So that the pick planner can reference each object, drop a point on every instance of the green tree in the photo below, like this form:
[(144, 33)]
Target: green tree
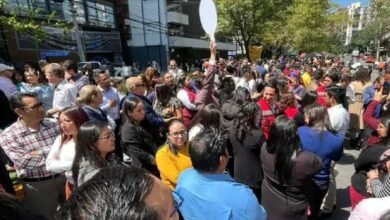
[(246, 20), (28, 20), (306, 20)]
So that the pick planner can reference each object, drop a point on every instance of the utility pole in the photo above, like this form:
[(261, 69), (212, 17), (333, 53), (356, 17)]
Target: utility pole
[(76, 31)]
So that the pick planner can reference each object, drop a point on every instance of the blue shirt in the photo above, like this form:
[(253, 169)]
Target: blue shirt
[(216, 196), (325, 145)]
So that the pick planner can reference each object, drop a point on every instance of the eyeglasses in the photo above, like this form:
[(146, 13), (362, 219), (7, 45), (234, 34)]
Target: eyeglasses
[(176, 134), (139, 85), (110, 136), (34, 107), (177, 201)]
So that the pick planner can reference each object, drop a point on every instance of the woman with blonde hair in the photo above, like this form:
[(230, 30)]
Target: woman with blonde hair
[(90, 98)]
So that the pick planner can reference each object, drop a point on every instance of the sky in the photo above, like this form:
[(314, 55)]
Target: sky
[(346, 3)]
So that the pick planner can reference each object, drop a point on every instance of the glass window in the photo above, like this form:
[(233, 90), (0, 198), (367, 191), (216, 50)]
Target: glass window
[(100, 15), (41, 5), (57, 8)]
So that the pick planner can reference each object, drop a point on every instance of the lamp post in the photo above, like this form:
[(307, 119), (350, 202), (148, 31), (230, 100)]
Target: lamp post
[(76, 31)]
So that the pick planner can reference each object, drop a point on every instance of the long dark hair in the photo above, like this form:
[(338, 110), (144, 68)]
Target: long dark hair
[(385, 120), (163, 94), (129, 104), (241, 95), (77, 115), (226, 89), (245, 121), (208, 116), (318, 118), (308, 98), (86, 148), (284, 143)]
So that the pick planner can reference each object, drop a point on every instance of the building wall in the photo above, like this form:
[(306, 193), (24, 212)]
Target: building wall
[(359, 16), (148, 24)]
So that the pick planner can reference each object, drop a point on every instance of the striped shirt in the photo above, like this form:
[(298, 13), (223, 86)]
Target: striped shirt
[(379, 189), (19, 141)]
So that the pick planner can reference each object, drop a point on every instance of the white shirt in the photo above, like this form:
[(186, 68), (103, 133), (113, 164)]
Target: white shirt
[(176, 73), (8, 87), (194, 131), (339, 118), (372, 208), (110, 94), (64, 95), (60, 158), (185, 99)]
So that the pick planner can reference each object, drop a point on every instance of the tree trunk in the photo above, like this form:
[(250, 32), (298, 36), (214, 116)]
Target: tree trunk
[(246, 45)]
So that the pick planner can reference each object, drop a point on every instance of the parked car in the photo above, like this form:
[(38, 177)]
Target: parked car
[(95, 66)]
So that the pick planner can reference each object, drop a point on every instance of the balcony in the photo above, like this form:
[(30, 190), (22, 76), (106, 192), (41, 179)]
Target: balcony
[(177, 18)]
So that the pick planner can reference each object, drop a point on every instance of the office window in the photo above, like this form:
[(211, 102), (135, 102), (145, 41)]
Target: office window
[(100, 15)]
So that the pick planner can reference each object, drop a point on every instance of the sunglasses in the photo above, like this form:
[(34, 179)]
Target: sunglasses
[(34, 107)]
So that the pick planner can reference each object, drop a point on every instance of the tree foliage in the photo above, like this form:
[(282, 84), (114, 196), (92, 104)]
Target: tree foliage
[(28, 20), (245, 20)]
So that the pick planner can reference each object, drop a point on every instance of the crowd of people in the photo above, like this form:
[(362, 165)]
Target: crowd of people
[(231, 140)]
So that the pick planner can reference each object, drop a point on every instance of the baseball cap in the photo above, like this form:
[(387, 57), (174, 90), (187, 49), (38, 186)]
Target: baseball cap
[(385, 155), (4, 67)]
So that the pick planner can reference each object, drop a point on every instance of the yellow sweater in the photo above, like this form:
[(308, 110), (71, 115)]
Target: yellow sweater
[(306, 78), (171, 165)]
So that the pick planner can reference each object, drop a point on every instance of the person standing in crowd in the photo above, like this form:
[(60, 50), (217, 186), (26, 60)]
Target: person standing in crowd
[(125, 193), (6, 84), (297, 89), (65, 93), (306, 76), (170, 81), (135, 139), (368, 160), (27, 143), (361, 82), (338, 115), (174, 70), (7, 116), (369, 92), (110, 104), (208, 188), (166, 104), (62, 153), (319, 137), (379, 179), (209, 116), (378, 127), (153, 122), (268, 107), (288, 105), (187, 97), (173, 157), (91, 98), (232, 107), (95, 141), (247, 140), (36, 82), (72, 75), (288, 170)]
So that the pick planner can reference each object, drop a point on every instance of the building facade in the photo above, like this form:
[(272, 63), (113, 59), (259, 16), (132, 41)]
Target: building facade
[(169, 29), (97, 29), (358, 16)]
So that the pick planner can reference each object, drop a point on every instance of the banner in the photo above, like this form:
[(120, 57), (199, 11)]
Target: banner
[(255, 52)]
